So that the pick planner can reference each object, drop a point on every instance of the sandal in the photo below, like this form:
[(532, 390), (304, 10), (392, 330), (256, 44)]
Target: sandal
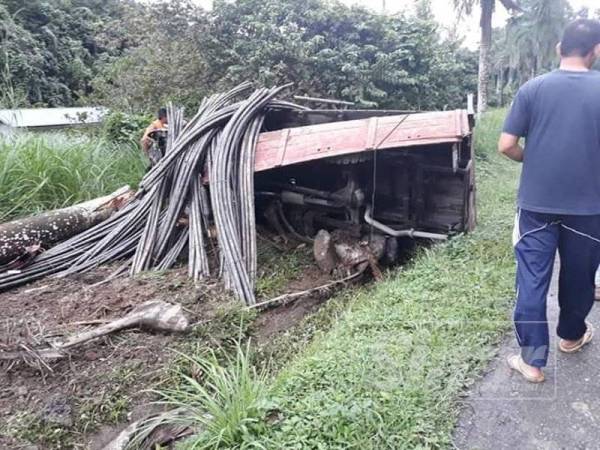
[(515, 362), (585, 339)]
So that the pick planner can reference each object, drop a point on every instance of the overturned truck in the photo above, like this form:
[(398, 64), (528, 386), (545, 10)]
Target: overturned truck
[(349, 182), (373, 175)]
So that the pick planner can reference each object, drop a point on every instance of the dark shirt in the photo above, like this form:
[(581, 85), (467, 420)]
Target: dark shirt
[(559, 115)]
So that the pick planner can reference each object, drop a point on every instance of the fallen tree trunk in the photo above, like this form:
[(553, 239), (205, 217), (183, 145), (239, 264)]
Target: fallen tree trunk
[(30, 235)]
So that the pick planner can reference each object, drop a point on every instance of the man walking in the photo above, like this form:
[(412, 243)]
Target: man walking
[(559, 197)]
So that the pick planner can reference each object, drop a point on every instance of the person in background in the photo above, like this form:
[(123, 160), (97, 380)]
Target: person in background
[(159, 124), (559, 198)]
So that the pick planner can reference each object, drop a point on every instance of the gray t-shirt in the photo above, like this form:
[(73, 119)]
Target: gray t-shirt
[(559, 115)]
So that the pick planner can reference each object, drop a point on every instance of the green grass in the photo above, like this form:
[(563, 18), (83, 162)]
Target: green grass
[(283, 348), (389, 371), (39, 172)]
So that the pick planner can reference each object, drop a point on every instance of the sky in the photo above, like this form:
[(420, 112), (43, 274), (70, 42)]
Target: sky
[(444, 12)]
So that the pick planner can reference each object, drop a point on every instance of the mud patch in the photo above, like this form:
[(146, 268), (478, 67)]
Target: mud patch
[(103, 385), (281, 318), (101, 380)]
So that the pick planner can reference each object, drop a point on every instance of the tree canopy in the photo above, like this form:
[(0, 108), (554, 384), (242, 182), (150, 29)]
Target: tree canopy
[(526, 46), (136, 55), (49, 49)]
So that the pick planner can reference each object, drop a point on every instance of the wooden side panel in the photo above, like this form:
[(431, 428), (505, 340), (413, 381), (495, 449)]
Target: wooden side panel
[(302, 144)]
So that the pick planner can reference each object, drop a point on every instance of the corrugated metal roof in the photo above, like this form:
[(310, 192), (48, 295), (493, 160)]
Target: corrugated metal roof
[(51, 117)]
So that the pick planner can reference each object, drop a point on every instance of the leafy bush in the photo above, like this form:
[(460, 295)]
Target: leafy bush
[(123, 127), (53, 48)]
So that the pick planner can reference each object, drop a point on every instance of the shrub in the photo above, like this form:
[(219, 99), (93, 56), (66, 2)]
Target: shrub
[(125, 128)]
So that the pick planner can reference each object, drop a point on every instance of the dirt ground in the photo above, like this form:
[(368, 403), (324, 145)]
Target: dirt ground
[(83, 401)]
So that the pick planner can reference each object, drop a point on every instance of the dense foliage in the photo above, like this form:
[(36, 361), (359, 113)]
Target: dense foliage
[(330, 50), (49, 50), (134, 56), (137, 55), (126, 128)]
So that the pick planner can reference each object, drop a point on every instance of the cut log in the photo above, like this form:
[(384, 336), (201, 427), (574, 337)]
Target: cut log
[(23, 238)]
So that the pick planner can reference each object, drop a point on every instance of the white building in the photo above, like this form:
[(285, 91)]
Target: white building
[(39, 119)]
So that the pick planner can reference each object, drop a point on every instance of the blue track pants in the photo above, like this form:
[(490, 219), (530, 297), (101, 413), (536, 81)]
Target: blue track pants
[(536, 239)]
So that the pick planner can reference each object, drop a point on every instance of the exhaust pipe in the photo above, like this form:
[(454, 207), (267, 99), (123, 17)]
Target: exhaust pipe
[(411, 233)]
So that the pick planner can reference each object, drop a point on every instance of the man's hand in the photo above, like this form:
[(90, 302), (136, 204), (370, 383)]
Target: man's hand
[(146, 143), (509, 147)]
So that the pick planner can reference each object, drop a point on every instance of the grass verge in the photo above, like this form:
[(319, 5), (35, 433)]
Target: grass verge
[(42, 171)]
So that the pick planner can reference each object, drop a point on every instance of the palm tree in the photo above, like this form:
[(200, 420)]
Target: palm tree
[(532, 37), (501, 55), (526, 47), (487, 11)]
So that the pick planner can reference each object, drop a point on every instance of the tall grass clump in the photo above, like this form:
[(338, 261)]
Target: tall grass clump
[(487, 132), (39, 172), (226, 402)]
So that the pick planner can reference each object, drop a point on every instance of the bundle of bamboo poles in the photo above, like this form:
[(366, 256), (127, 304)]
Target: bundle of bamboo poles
[(148, 233)]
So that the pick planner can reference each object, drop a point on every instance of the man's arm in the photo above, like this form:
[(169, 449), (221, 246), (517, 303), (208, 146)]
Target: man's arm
[(516, 125), (146, 140), (509, 146)]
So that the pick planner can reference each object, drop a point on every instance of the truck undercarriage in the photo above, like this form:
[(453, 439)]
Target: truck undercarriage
[(391, 175)]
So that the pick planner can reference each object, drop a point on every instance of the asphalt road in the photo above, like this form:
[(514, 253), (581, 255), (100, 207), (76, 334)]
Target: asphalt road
[(502, 411)]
